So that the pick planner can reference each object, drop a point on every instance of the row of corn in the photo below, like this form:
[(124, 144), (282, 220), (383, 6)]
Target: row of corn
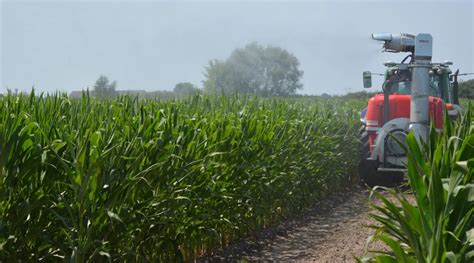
[(134, 180), (434, 220)]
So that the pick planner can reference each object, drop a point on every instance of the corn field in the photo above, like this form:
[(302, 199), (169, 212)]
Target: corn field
[(139, 180)]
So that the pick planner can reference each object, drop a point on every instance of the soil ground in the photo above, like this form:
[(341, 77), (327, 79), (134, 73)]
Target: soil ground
[(333, 230)]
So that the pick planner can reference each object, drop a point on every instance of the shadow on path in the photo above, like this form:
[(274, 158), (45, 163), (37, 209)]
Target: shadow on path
[(331, 231)]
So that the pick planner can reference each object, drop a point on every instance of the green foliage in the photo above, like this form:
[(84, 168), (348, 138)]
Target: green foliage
[(102, 88), (466, 89), (266, 71), (131, 180), (159, 95), (439, 225), (214, 74), (185, 89), (360, 95)]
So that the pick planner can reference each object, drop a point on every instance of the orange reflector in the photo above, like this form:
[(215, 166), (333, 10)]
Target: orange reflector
[(449, 106)]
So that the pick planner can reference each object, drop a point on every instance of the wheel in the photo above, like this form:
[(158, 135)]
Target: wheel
[(368, 173), (368, 169), (364, 143)]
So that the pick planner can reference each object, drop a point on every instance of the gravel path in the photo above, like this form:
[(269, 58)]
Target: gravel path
[(333, 230)]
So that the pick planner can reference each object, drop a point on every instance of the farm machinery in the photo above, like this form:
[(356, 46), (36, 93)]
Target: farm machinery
[(416, 94)]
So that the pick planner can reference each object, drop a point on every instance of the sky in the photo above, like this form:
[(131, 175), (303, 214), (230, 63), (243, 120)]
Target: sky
[(152, 45)]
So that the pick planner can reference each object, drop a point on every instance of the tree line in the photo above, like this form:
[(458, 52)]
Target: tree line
[(466, 89), (264, 71)]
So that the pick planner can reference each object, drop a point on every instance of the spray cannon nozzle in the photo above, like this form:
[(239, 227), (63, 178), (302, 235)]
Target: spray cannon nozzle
[(396, 42)]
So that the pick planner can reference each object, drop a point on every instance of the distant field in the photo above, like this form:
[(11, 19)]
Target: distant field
[(465, 102), (87, 179)]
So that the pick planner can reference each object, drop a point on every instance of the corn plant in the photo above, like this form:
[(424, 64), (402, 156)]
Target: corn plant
[(439, 225), (140, 180)]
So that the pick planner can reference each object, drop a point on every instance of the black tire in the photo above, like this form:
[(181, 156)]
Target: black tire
[(364, 142), (368, 173), (368, 170)]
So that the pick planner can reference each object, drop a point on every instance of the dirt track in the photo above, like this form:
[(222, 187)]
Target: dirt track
[(331, 231)]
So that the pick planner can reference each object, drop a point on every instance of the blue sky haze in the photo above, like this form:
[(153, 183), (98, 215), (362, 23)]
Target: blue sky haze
[(152, 45)]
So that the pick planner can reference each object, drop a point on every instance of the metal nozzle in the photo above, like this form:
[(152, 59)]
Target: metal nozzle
[(396, 42)]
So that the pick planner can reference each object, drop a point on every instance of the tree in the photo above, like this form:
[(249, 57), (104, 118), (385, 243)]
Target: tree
[(214, 73), (466, 89), (267, 71), (185, 89), (102, 88)]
